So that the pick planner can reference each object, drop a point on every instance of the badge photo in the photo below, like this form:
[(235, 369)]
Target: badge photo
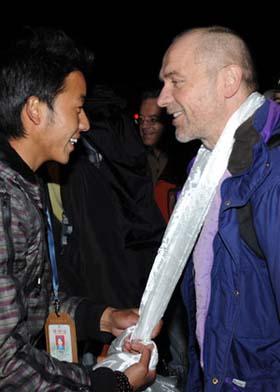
[(61, 337)]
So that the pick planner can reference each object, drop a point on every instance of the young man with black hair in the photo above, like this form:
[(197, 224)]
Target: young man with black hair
[(42, 92)]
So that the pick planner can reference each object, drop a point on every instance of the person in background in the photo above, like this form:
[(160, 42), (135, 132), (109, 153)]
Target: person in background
[(42, 93), (231, 293), (152, 124), (167, 159)]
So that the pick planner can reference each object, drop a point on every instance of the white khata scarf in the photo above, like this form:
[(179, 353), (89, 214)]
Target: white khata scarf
[(180, 236)]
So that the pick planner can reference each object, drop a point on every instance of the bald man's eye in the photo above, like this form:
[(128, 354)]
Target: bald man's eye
[(176, 83)]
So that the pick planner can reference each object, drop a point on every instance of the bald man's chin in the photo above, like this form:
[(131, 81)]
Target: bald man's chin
[(182, 137)]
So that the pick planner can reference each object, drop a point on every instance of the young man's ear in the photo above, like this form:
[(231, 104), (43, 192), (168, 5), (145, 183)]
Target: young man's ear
[(32, 110), (232, 79)]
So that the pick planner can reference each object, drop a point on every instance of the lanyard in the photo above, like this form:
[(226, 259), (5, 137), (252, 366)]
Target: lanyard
[(55, 282)]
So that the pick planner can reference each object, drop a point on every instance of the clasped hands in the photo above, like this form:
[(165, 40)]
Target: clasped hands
[(116, 321)]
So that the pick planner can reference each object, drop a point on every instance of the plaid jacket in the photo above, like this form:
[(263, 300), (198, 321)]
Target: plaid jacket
[(25, 289)]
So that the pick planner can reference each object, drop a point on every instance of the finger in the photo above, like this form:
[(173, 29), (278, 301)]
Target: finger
[(127, 347), (136, 348), (136, 341), (127, 340), (146, 356)]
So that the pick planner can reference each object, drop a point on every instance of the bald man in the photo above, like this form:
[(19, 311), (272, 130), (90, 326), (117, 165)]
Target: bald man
[(231, 288)]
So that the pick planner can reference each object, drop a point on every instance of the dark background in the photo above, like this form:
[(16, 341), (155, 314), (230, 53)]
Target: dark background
[(129, 40), (129, 43)]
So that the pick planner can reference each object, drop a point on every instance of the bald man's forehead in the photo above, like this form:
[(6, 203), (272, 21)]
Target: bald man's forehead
[(172, 62), (179, 50)]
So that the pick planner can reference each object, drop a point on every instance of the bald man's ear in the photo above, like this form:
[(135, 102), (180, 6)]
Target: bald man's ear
[(32, 110), (232, 76)]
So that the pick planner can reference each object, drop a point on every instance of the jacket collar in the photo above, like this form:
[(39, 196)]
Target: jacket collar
[(264, 124), (248, 163), (13, 159), (242, 152)]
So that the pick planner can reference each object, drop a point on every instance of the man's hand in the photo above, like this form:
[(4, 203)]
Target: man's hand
[(128, 343), (116, 321), (139, 374)]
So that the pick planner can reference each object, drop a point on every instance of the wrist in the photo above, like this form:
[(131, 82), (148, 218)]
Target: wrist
[(123, 384)]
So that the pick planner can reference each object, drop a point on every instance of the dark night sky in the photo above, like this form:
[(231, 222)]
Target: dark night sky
[(129, 41), (129, 49)]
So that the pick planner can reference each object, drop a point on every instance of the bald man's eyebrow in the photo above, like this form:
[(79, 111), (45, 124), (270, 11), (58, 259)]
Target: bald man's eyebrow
[(169, 75)]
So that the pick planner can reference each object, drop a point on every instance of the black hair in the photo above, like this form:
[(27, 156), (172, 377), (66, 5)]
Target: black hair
[(36, 64), (150, 93), (153, 93)]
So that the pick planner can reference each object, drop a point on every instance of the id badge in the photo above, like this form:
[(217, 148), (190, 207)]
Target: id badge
[(61, 338)]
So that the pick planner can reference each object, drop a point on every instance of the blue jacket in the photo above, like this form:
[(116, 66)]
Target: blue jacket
[(242, 331)]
